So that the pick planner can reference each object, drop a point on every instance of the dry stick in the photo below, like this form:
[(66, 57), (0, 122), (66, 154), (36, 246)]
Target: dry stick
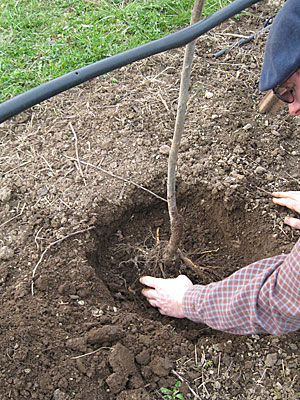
[(184, 381), (49, 247), (19, 166), (49, 166), (117, 177), (76, 150), (91, 352), (36, 237), (16, 216), (176, 219)]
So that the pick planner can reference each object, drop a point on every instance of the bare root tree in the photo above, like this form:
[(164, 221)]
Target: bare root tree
[(176, 220)]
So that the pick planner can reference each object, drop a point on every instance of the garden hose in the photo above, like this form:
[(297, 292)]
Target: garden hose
[(58, 85)]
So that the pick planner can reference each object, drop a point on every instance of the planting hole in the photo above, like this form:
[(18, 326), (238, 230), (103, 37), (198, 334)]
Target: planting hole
[(220, 236)]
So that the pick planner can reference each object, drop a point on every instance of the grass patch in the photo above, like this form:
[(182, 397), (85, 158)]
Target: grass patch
[(41, 40)]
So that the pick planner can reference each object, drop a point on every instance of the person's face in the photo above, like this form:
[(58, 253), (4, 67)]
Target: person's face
[(293, 83)]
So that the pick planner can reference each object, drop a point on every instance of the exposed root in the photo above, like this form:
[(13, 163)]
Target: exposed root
[(189, 263), (148, 258)]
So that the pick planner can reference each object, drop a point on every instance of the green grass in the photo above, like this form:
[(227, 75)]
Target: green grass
[(41, 39)]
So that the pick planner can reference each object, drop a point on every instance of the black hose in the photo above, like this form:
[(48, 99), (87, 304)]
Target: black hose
[(58, 85)]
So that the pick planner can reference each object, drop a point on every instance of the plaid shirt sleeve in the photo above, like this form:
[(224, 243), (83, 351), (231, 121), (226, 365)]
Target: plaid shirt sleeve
[(263, 297)]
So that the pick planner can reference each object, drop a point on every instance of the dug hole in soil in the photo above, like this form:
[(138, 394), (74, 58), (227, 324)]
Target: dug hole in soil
[(74, 213)]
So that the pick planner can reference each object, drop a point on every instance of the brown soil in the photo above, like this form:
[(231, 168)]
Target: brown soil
[(81, 329)]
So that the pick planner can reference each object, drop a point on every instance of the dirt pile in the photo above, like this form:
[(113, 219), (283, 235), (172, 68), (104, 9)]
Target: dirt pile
[(74, 215)]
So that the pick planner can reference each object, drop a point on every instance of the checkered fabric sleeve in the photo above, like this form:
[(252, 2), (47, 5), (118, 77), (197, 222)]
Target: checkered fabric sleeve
[(263, 297)]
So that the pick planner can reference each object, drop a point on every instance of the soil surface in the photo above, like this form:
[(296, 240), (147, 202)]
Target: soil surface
[(83, 183)]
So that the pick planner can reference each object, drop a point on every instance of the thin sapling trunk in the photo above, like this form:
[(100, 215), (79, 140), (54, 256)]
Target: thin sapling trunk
[(176, 220)]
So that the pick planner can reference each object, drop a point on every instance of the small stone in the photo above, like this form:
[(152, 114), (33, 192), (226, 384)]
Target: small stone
[(238, 150), (260, 170), (208, 95), (271, 360), (6, 253), (216, 347), (74, 297), (96, 312), (247, 126), (5, 194), (164, 149), (217, 385), (293, 346), (21, 295), (60, 395), (42, 191)]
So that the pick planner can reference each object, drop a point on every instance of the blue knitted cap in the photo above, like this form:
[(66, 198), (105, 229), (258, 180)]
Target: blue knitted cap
[(282, 53)]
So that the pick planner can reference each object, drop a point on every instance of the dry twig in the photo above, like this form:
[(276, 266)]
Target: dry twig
[(16, 216), (118, 177), (76, 151), (49, 247), (90, 353), (17, 167), (186, 383)]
